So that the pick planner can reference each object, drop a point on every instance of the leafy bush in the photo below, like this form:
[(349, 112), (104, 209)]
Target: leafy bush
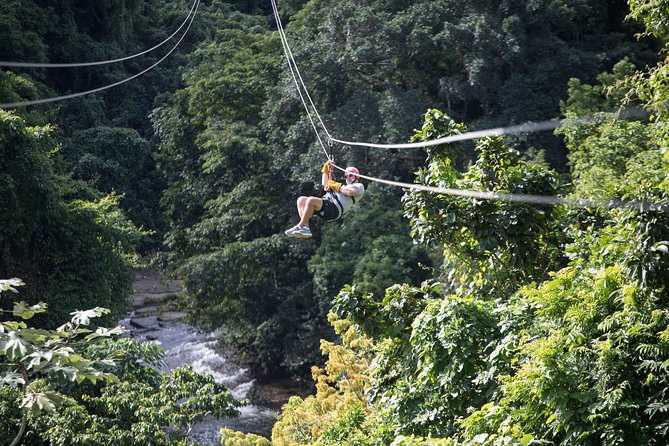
[(76, 386), (234, 438), (325, 417)]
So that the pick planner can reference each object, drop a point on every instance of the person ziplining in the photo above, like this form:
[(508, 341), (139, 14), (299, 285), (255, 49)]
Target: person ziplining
[(338, 199)]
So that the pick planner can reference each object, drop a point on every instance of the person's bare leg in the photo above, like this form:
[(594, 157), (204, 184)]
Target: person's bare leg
[(301, 203), (311, 205)]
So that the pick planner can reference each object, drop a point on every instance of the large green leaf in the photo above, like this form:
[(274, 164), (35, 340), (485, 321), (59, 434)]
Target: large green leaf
[(14, 347), (11, 326), (22, 310), (103, 332), (37, 403), (38, 359), (12, 379), (10, 285)]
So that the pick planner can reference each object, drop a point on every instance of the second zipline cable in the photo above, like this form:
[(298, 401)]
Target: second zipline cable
[(97, 90), (101, 62), (546, 200)]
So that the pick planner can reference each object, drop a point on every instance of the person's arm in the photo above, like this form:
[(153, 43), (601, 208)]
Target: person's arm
[(325, 174), (350, 191)]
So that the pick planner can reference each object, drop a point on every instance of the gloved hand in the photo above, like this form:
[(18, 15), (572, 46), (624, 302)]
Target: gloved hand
[(326, 167), (333, 185)]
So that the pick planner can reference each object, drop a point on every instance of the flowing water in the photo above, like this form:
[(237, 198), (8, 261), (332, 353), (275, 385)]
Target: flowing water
[(182, 346)]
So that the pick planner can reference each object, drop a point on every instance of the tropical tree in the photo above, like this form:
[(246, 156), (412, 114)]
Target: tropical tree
[(78, 252), (117, 160)]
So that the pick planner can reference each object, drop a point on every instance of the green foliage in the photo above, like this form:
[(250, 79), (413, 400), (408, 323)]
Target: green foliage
[(76, 386), (653, 15), (442, 340), (10, 410), (78, 253), (233, 438), (491, 245), (100, 241), (338, 411), (243, 287), (138, 413), (116, 160), (15, 87), (38, 31), (28, 354)]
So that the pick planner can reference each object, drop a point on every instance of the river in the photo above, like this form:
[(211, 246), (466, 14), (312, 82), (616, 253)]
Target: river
[(153, 320), (183, 345)]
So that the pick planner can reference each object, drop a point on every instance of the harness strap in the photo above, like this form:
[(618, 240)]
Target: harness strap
[(337, 203)]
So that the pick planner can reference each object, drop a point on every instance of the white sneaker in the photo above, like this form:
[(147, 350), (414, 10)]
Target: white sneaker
[(302, 232), (290, 232)]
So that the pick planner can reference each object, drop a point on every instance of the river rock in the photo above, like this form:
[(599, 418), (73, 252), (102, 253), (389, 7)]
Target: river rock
[(167, 316), (144, 322), (152, 295), (276, 393)]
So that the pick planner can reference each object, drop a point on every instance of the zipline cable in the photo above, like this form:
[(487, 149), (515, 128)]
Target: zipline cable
[(521, 128), (292, 65), (102, 62), (522, 198), (97, 90), (529, 127)]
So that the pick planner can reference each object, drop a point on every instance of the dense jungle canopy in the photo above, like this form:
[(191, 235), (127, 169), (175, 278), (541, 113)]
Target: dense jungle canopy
[(429, 319)]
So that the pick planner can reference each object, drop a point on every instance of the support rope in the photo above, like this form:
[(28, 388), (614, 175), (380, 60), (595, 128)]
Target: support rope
[(522, 198), (292, 65)]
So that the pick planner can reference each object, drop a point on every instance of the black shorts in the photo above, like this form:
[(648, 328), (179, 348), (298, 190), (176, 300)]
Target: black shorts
[(329, 211)]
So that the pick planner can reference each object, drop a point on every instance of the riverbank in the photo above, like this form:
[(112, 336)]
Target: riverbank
[(154, 297)]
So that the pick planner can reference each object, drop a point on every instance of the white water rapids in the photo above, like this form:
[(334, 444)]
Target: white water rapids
[(183, 346)]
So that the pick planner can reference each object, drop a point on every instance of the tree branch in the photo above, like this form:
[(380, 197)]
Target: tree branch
[(22, 430)]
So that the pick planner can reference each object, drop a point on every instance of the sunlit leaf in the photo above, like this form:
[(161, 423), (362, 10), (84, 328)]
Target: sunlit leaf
[(526, 439), (38, 403), (84, 317), (12, 379), (37, 358), (22, 310), (64, 373), (14, 347), (10, 285), (103, 332), (11, 326)]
